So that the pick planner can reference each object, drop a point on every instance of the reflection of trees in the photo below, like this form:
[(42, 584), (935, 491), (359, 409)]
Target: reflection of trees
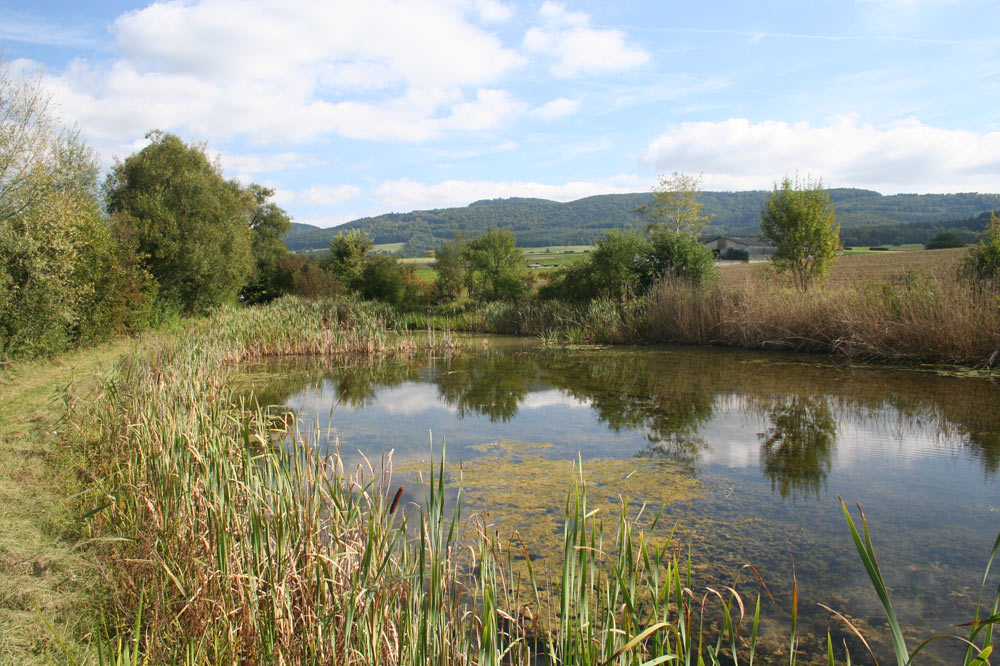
[(353, 381), (986, 447), (275, 386), (356, 385), (491, 384), (627, 391), (796, 451), (671, 395)]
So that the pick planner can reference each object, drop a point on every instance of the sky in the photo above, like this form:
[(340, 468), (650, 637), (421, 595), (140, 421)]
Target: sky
[(362, 107)]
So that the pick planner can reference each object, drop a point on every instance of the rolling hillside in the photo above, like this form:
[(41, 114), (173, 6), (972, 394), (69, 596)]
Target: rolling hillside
[(540, 222)]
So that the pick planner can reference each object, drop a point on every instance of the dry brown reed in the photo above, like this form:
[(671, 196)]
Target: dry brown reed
[(909, 316)]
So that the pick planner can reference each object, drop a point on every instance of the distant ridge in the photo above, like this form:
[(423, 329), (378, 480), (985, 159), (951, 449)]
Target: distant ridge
[(540, 222)]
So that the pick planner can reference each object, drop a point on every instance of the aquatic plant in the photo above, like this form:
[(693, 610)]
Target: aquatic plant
[(980, 627)]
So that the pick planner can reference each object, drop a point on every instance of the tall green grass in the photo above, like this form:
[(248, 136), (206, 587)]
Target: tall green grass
[(225, 537)]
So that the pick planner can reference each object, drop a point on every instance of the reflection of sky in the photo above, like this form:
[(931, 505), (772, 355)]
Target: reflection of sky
[(401, 417), (864, 442)]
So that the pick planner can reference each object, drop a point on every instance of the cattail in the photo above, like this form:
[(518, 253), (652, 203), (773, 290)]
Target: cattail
[(395, 500)]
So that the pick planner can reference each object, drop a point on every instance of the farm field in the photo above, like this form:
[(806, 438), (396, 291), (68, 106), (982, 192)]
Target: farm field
[(852, 268), (547, 257)]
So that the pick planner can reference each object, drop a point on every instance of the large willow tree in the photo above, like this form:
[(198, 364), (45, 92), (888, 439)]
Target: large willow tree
[(192, 226)]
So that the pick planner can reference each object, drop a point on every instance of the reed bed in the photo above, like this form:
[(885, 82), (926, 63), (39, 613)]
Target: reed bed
[(225, 538), (909, 317)]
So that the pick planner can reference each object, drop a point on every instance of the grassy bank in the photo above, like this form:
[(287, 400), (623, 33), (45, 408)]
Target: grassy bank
[(42, 574)]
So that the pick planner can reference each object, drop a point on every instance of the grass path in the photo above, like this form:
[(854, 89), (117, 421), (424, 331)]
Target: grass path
[(39, 568)]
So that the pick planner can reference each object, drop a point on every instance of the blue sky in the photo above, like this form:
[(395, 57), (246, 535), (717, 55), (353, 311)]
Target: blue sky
[(359, 108)]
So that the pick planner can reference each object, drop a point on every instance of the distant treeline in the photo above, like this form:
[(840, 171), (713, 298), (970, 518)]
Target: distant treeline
[(866, 218), (969, 229)]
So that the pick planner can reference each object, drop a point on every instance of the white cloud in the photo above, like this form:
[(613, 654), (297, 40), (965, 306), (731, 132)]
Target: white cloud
[(317, 195), (578, 48), (253, 163), (555, 14), (406, 194), (489, 109), (330, 195), (494, 10), (290, 71), (557, 108), (273, 38), (907, 156)]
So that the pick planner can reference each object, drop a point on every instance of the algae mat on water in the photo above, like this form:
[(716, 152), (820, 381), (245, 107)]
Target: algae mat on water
[(514, 488), (41, 573)]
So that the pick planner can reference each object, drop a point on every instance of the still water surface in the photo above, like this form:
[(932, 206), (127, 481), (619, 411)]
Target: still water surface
[(748, 450)]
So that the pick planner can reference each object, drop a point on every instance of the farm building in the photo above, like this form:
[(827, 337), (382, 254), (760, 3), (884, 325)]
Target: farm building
[(729, 247)]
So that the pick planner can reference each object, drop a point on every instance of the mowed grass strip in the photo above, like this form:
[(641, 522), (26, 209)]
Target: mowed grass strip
[(41, 574)]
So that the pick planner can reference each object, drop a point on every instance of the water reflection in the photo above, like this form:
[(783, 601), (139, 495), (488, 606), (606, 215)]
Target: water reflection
[(672, 399), (492, 384), (796, 451)]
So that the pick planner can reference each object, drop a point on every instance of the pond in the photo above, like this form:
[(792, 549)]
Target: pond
[(747, 451)]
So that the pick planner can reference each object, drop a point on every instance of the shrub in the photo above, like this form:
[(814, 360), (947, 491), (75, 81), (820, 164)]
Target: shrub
[(732, 254), (383, 279), (672, 255), (617, 269), (944, 239), (982, 264)]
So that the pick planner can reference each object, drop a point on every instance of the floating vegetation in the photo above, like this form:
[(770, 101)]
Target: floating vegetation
[(520, 493)]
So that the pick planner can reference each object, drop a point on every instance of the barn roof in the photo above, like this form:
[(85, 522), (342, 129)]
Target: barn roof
[(743, 240)]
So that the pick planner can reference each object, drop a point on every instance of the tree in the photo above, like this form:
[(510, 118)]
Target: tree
[(451, 266), (192, 226), (798, 219), (268, 225), (675, 205), (64, 275), (347, 256), (496, 266)]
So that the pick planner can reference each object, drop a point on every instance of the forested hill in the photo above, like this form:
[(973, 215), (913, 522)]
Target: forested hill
[(540, 222)]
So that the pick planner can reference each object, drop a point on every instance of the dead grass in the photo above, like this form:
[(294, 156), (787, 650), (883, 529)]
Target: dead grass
[(894, 306)]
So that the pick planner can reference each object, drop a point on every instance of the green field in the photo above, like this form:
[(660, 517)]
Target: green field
[(910, 247), (547, 258)]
